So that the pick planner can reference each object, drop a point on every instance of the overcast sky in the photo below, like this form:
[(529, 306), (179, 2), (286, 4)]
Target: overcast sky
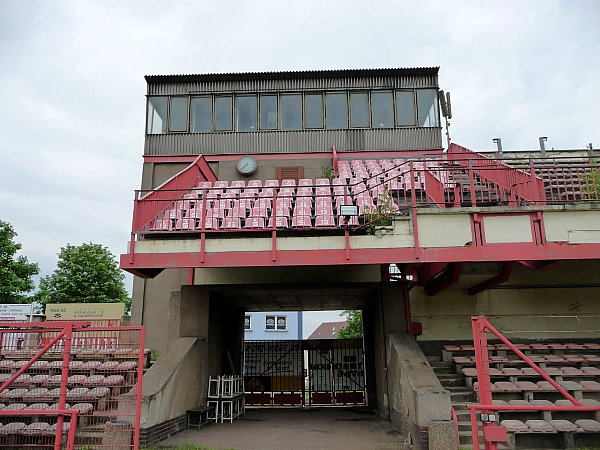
[(72, 87)]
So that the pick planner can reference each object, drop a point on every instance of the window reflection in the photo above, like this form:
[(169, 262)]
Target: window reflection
[(291, 112), (382, 109), (405, 108), (359, 110), (245, 113), (313, 105), (427, 108), (336, 110), (268, 112), (157, 115), (223, 115), (201, 115)]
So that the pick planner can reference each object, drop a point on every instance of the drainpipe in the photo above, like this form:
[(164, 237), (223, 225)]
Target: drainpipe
[(543, 146), (498, 142)]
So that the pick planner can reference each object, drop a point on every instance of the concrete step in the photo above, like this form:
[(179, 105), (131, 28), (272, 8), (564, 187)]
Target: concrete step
[(447, 375), (439, 364), (461, 396), (459, 388), (433, 358), (454, 383)]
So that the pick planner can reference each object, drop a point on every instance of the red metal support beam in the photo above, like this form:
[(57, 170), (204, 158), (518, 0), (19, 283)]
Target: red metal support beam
[(502, 277), (444, 281), (540, 265)]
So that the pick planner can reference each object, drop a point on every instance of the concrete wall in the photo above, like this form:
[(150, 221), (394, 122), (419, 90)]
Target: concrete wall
[(150, 304), (547, 311), (416, 396)]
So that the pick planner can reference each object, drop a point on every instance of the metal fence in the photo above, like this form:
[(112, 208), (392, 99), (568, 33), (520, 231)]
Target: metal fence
[(70, 385)]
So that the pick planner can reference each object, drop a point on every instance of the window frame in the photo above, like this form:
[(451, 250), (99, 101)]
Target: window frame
[(277, 108), (369, 118), (232, 115), (393, 94), (304, 111), (212, 107), (276, 317), (148, 97), (414, 110), (325, 124)]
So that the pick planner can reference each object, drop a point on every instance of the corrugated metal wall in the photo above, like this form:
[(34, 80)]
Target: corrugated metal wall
[(294, 85), (292, 141)]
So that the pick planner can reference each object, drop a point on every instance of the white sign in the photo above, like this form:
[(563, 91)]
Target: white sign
[(15, 312)]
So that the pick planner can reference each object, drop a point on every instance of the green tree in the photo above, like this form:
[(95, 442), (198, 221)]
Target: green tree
[(354, 329), (16, 273), (87, 273)]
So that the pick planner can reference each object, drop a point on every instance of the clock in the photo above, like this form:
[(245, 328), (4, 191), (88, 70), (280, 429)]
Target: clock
[(247, 166)]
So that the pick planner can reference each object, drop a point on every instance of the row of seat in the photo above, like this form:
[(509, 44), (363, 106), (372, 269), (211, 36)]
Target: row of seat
[(513, 372), (551, 346), (551, 426), (37, 394), (33, 429), (81, 353), (542, 386), (462, 361), (55, 380), (8, 365)]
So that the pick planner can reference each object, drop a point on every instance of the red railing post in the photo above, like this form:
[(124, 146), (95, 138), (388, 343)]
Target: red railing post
[(68, 336), (138, 393)]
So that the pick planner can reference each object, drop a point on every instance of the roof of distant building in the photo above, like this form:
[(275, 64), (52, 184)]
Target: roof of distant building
[(328, 330), (285, 75)]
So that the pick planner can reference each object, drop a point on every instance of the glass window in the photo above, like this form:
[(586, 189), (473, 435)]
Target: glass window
[(157, 115), (223, 115), (427, 109), (179, 110), (201, 115), (281, 323), (291, 112), (337, 110), (276, 323), (405, 108), (245, 113), (359, 110), (268, 112), (247, 323), (382, 109), (313, 110)]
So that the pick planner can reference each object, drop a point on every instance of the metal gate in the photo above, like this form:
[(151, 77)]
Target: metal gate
[(308, 372)]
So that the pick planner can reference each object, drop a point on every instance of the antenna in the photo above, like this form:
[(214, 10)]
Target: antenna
[(446, 111), (543, 146)]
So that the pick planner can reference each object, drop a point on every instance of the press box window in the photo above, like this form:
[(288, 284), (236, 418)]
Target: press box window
[(157, 115), (201, 114), (427, 108), (268, 112), (245, 113), (313, 110), (382, 109), (179, 114), (223, 113), (405, 108), (336, 104), (247, 323), (359, 110), (291, 112), (278, 323)]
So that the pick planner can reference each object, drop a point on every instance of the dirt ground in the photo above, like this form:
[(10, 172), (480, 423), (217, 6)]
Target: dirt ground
[(307, 428)]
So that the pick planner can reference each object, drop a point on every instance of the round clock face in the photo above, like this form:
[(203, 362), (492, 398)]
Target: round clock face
[(247, 165)]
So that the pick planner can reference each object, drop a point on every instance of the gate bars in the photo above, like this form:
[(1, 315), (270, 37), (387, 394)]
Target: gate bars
[(492, 434), (97, 369)]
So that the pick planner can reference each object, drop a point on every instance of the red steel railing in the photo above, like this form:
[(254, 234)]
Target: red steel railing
[(472, 181), (493, 433)]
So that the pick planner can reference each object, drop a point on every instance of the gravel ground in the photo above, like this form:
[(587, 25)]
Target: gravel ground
[(307, 428)]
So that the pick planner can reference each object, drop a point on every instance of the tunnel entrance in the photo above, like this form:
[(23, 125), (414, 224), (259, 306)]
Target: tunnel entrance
[(319, 372)]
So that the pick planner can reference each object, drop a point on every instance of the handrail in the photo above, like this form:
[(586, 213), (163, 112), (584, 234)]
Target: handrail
[(428, 184), (455, 419)]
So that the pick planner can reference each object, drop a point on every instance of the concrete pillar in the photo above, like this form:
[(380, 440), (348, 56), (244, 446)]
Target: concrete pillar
[(442, 435)]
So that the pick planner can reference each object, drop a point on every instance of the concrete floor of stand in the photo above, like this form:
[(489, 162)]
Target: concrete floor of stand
[(295, 428)]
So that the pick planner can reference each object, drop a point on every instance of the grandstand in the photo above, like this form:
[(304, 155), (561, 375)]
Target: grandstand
[(327, 190)]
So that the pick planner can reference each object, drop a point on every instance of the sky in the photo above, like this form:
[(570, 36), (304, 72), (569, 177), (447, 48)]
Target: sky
[(72, 88)]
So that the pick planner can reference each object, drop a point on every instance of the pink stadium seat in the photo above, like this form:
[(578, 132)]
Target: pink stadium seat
[(93, 380), (563, 425), (305, 182), (593, 386), (237, 212), (254, 222), (286, 192), (83, 408), (527, 386), (588, 425), (267, 192), (280, 222), (210, 223), (204, 185), (7, 364), (185, 224), (265, 202), (113, 380), (249, 193), (37, 407), (590, 370), (76, 379), (283, 203), (271, 183), (254, 184), (221, 184), (36, 393), (301, 222), (238, 184), (506, 386), (259, 211), (325, 221), (539, 426), (571, 371), (36, 428), (324, 210), (288, 183), (230, 223), (13, 428), (323, 191), (302, 211), (282, 211), (304, 191)]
